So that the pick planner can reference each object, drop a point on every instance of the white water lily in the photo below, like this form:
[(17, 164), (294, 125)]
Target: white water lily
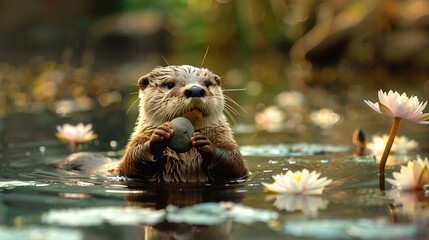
[(413, 176), (304, 182), (401, 144), (393, 104), (398, 153)]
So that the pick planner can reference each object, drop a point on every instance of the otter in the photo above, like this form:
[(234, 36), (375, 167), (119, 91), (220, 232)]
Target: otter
[(196, 94)]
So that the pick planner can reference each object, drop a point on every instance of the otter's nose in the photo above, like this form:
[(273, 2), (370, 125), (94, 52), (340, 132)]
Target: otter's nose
[(195, 91)]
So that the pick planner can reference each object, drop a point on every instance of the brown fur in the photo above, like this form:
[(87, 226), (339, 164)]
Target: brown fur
[(158, 105)]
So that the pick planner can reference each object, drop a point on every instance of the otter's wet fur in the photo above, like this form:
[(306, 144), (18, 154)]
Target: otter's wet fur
[(195, 93)]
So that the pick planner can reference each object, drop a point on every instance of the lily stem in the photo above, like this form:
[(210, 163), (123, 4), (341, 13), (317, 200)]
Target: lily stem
[(386, 152), (76, 148)]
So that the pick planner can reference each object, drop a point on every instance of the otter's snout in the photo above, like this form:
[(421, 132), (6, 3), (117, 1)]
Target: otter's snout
[(195, 91)]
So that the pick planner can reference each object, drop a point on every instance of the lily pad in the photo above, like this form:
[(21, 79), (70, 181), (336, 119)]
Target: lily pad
[(39, 233), (216, 213), (12, 184), (289, 150), (201, 214), (98, 215), (349, 229)]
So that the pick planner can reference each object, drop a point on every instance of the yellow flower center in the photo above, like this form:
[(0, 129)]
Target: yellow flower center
[(297, 177)]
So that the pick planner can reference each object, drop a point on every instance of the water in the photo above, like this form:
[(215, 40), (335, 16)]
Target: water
[(37, 202)]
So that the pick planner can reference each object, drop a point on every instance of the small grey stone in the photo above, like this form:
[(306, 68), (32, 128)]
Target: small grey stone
[(183, 130)]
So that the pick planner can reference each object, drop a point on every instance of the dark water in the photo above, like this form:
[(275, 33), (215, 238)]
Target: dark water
[(37, 202)]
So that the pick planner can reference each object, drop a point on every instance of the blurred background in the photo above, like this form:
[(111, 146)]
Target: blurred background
[(299, 63)]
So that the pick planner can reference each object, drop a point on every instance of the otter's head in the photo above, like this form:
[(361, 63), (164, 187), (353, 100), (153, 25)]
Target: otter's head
[(187, 91)]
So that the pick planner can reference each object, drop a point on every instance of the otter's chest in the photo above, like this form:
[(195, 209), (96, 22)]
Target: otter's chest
[(183, 167)]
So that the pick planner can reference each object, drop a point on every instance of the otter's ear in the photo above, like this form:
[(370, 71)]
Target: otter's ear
[(144, 81), (218, 80)]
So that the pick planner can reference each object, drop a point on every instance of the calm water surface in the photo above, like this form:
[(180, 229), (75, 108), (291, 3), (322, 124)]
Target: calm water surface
[(352, 206)]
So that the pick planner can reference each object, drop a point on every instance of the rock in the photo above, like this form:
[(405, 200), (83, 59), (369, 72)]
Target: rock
[(180, 141)]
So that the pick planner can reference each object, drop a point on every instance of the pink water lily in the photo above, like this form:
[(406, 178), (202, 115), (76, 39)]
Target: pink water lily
[(304, 182), (400, 106), (413, 176), (75, 134)]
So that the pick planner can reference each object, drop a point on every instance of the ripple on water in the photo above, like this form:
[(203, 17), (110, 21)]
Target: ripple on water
[(288, 150)]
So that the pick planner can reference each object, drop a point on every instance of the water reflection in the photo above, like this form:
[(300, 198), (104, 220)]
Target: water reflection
[(412, 204), (185, 231), (159, 197), (211, 220), (181, 195), (308, 205)]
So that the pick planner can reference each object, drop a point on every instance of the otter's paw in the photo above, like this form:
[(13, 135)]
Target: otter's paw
[(159, 137), (204, 146)]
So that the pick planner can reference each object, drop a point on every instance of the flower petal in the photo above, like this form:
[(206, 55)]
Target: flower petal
[(412, 176), (295, 187), (424, 117), (385, 110), (393, 182), (424, 177), (372, 105), (274, 188)]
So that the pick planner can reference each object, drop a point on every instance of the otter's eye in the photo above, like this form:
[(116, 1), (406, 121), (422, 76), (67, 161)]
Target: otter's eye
[(207, 84), (170, 85)]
